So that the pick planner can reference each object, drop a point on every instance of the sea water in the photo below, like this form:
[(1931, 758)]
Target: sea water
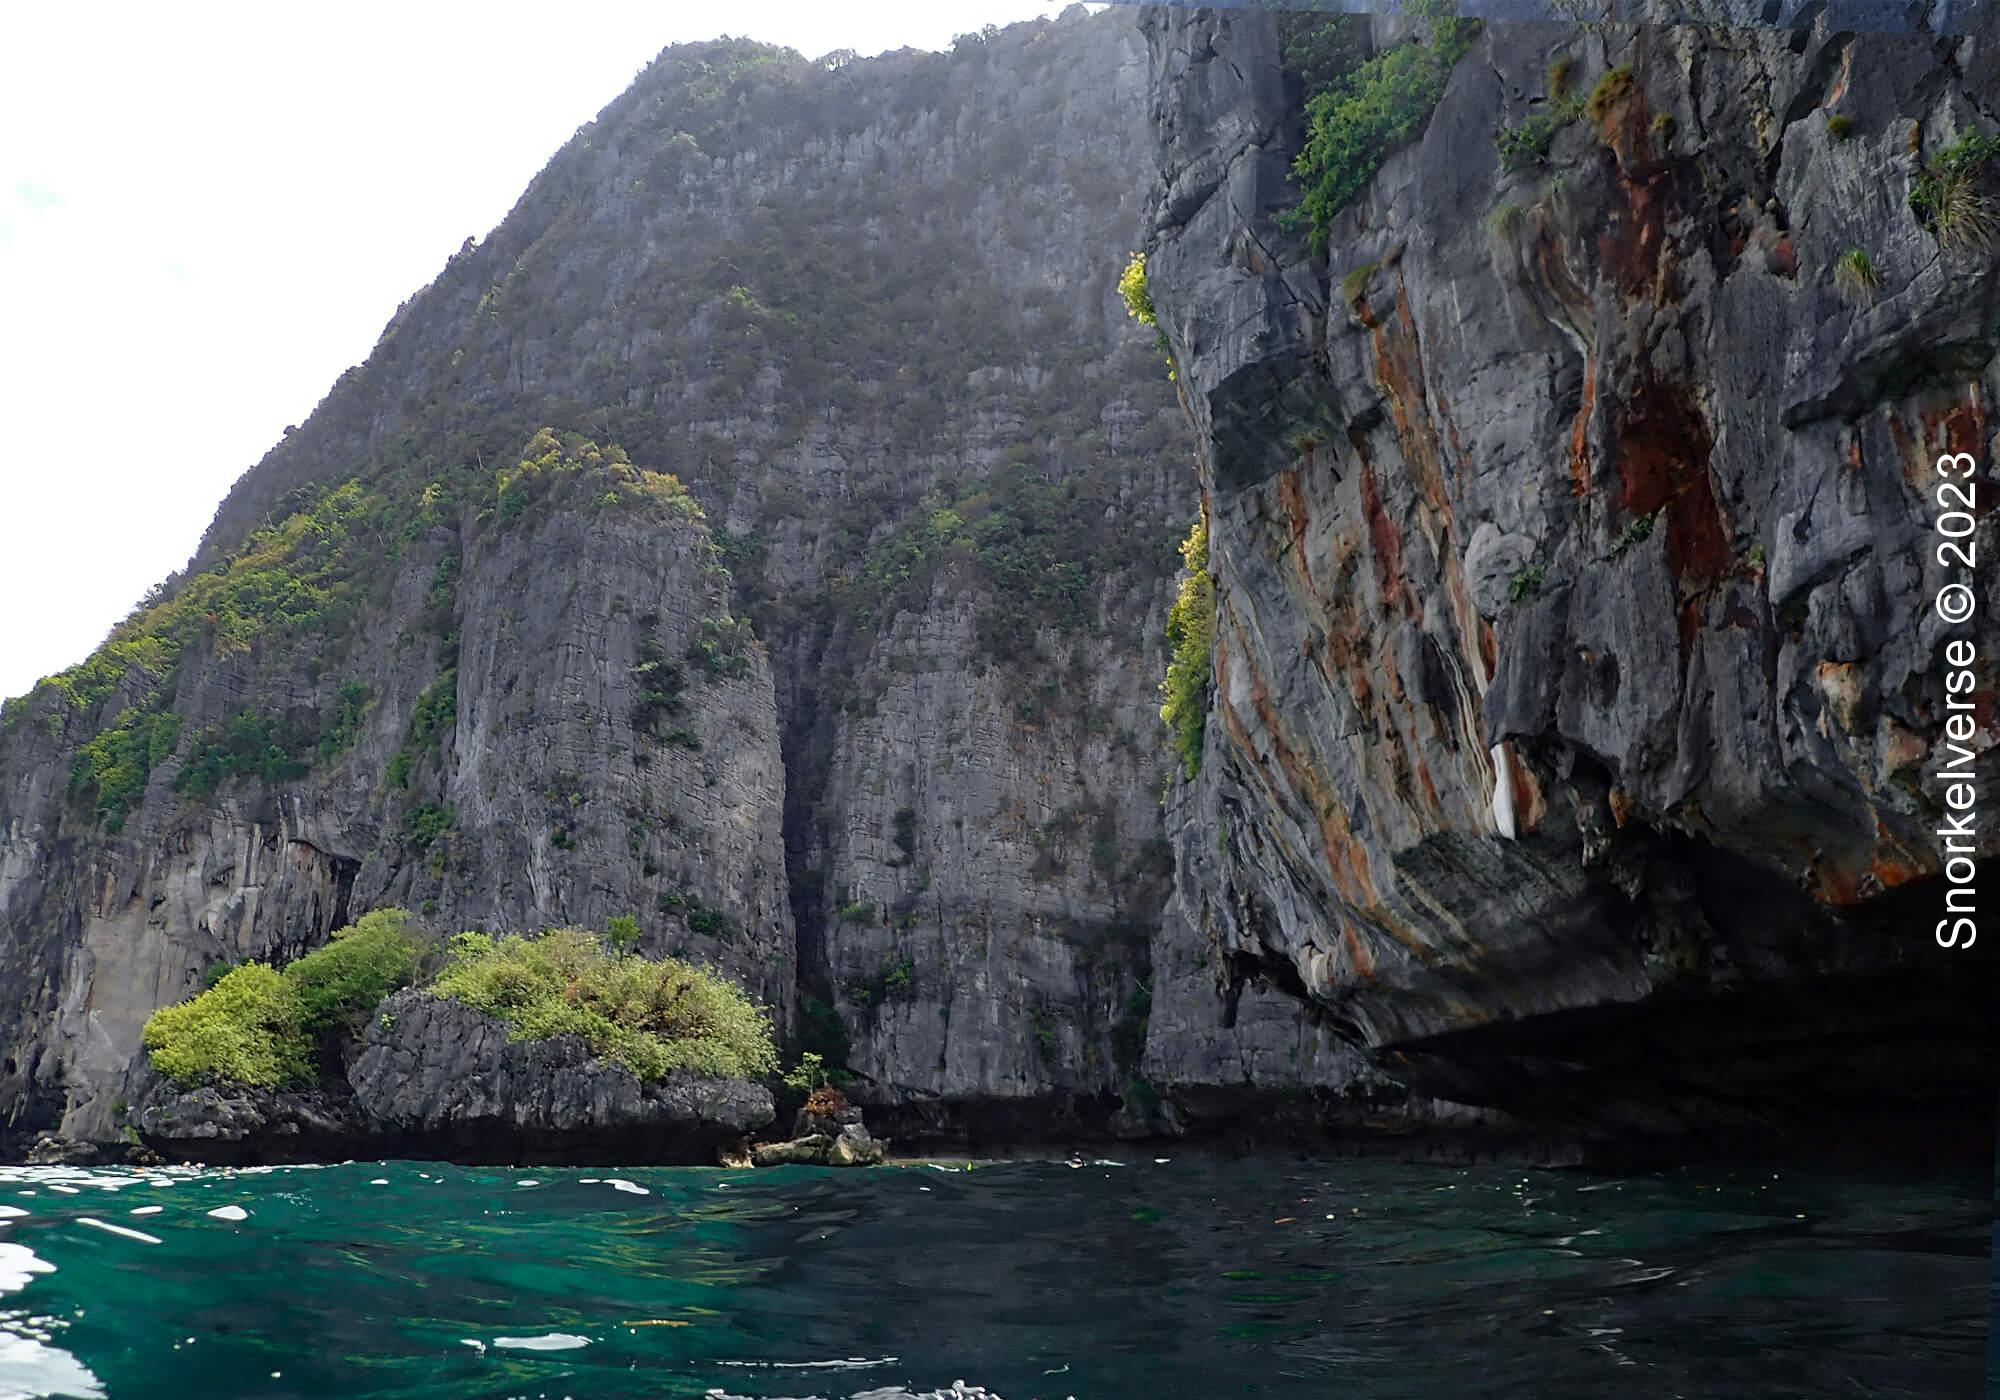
[(1129, 1279)]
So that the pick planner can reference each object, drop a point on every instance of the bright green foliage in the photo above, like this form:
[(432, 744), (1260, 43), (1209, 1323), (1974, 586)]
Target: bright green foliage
[(573, 466), (113, 767), (254, 1025), (653, 1017), (1948, 198), (1132, 287), (1190, 646), (1138, 297), (249, 1028), (808, 1074), (344, 981), (1358, 119), (621, 932)]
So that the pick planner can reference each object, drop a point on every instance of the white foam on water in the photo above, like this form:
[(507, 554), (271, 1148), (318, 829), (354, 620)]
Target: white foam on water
[(66, 1190), (619, 1183), (18, 1264), (589, 1181), (12, 1213), (30, 1368), (147, 1210), (230, 1213), (548, 1341), (129, 1234), (844, 1363), (380, 1181), (472, 1342), (527, 1183)]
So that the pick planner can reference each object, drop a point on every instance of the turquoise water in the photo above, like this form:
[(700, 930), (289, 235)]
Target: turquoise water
[(1112, 1281)]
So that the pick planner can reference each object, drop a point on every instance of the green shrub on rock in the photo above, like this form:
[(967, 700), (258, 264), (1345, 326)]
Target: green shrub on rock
[(1190, 645), (652, 1017), (345, 980), (256, 1025), (249, 1028)]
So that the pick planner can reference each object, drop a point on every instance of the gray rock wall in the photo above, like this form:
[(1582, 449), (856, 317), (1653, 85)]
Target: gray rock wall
[(1482, 753)]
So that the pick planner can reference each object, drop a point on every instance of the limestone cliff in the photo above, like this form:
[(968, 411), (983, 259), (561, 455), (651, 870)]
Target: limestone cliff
[(1575, 673), (767, 534), (868, 716)]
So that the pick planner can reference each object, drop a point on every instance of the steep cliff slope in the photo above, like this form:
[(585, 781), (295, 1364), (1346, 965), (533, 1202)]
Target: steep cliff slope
[(1575, 677), (874, 725)]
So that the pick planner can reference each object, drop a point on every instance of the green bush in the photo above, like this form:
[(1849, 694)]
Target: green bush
[(255, 1025), (1948, 198), (112, 768), (350, 703), (1132, 287), (621, 931), (249, 745), (1138, 297), (808, 1074), (1528, 144), (344, 981), (1354, 122), (1320, 49), (249, 1028), (1634, 532), (423, 824), (652, 1017), (1854, 273), (1190, 645)]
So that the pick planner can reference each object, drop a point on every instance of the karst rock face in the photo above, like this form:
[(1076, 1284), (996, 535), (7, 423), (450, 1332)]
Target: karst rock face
[(861, 707), (767, 533), (1578, 696)]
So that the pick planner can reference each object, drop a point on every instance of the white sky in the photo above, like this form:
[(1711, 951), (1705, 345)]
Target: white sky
[(208, 212)]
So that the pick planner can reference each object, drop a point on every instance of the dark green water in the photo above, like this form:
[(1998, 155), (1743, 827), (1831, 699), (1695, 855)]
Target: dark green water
[(1107, 1282)]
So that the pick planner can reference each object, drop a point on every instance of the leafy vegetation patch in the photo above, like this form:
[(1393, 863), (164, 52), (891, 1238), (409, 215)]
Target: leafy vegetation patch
[(1190, 645), (112, 768), (1358, 118), (256, 1025), (1854, 273), (1527, 583), (653, 1017), (1949, 198)]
